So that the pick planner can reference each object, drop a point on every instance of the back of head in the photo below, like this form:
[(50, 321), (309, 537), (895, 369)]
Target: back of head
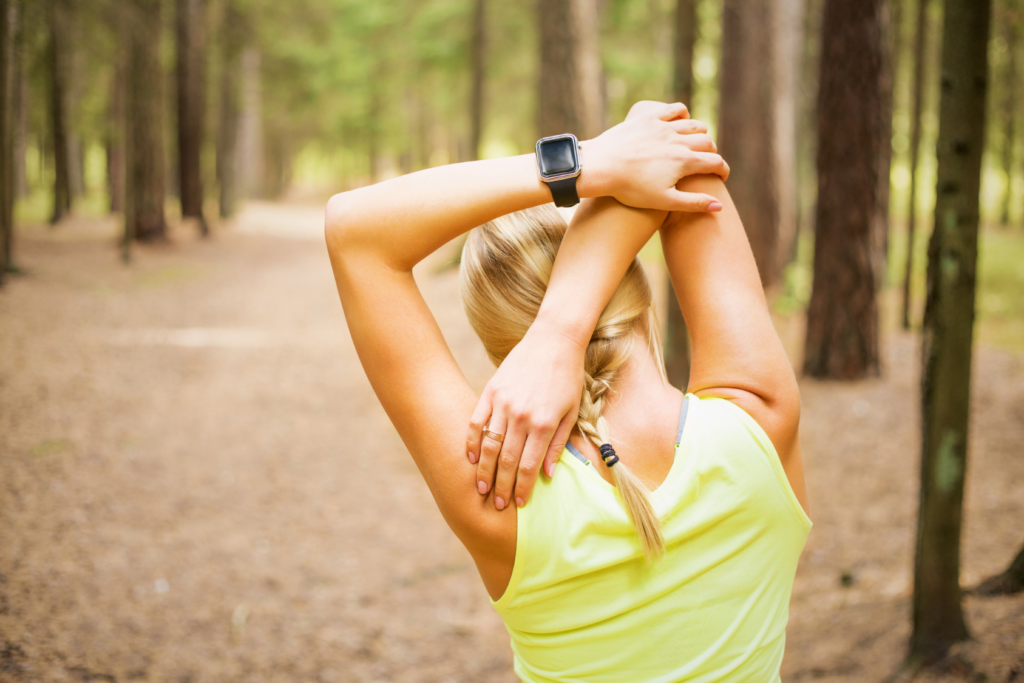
[(506, 267)]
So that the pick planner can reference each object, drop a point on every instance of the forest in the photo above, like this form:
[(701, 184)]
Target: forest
[(171, 506)]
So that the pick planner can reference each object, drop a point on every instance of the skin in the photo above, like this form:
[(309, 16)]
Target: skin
[(375, 235), (736, 353)]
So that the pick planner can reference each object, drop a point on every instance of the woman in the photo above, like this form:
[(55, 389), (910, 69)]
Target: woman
[(665, 546)]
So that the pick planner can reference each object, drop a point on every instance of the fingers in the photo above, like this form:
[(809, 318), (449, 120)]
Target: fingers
[(481, 414), (529, 465), (558, 442), (707, 163), (688, 126), (489, 451), (671, 112), (647, 108), (508, 464), (698, 142), (692, 202)]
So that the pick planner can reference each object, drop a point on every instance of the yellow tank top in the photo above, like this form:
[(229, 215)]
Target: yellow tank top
[(582, 605)]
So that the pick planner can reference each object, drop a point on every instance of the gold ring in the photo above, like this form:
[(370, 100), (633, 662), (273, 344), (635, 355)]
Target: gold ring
[(494, 435)]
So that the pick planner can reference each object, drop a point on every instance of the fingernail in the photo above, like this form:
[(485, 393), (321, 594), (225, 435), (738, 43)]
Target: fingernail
[(715, 206), (520, 502), (551, 470), (499, 503), (481, 486), (472, 458)]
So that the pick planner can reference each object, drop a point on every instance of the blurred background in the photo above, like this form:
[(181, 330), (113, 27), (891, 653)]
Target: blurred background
[(196, 481)]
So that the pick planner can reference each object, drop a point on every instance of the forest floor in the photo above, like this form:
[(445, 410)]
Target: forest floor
[(197, 483)]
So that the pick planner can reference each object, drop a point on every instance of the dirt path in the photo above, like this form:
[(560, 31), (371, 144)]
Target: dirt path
[(197, 483)]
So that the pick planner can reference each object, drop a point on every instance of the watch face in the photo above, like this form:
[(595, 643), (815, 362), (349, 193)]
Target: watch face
[(558, 156)]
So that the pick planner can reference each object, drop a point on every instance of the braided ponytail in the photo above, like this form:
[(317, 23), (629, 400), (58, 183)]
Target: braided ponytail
[(608, 351), (506, 265)]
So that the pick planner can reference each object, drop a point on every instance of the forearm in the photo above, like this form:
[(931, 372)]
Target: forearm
[(402, 220), (603, 239)]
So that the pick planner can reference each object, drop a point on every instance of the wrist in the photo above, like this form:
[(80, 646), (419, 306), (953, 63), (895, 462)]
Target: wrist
[(592, 181), (557, 327)]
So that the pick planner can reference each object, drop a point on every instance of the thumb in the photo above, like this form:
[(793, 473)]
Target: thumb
[(692, 202)]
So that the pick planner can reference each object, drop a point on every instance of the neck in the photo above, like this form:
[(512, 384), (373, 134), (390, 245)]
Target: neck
[(642, 414), (640, 390)]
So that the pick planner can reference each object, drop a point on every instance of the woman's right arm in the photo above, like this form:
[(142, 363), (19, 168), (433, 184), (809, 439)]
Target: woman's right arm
[(737, 354)]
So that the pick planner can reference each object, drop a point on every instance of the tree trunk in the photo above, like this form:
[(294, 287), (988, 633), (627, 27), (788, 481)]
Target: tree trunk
[(227, 116), (115, 134), (21, 106), (569, 94), (685, 39), (880, 225), (1010, 112), (476, 105), (677, 336), (57, 68), (250, 158), (947, 335), (190, 24), (842, 318), (789, 31), (920, 64), (1009, 582), (8, 21), (748, 142), (146, 180)]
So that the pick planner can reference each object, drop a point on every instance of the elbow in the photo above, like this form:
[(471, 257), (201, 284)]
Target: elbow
[(339, 228)]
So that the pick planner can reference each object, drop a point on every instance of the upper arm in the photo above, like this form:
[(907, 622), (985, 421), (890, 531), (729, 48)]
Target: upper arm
[(737, 354), (417, 380)]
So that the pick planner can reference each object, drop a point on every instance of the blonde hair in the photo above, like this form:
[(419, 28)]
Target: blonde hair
[(506, 266)]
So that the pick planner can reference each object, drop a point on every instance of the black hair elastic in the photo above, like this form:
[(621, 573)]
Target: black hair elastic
[(608, 454)]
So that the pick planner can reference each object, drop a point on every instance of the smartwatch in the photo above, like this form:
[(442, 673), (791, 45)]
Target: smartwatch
[(558, 164)]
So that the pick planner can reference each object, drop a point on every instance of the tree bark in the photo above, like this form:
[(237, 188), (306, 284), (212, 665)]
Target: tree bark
[(476, 105), (190, 25), (1009, 582), (880, 225), (920, 64), (947, 335), (8, 22), (227, 115), (748, 142), (115, 133), (677, 336), (569, 97), (57, 68), (21, 105), (146, 181), (789, 31), (1010, 111), (250, 157), (842, 318), (685, 39)]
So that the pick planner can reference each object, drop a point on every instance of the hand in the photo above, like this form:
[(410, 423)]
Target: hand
[(533, 399), (640, 160)]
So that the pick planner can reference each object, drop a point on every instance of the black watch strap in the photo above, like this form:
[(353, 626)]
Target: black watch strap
[(564, 192)]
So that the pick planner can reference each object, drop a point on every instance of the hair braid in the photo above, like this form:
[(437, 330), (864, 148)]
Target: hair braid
[(605, 356)]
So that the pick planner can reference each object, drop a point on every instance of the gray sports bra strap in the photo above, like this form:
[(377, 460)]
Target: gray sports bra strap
[(682, 419), (579, 456), (679, 433)]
